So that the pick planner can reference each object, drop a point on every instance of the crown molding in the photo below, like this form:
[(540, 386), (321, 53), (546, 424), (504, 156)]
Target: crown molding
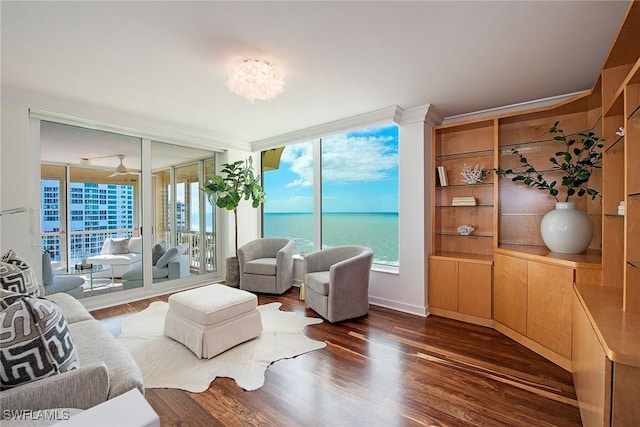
[(512, 108), (59, 110), (374, 118), (423, 113)]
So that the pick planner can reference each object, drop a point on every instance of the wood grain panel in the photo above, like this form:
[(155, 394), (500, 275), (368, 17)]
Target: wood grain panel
[(443, 284), (520, 230), (613, 257), (549, 299), (626, 395), (632, 290), (589, 276), (510, 292), (534, 127), (469, 244), (632, 212), (613, 179), (464, 139), (474, 289), (632, 135), (612, 79), (591, 369)]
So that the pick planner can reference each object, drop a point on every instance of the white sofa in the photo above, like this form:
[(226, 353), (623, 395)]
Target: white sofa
[(113, 254)]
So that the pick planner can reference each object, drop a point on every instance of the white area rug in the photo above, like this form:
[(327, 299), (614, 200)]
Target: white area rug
[(166, 363)]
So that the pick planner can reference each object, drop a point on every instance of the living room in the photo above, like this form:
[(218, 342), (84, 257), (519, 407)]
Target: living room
[(222, 127)]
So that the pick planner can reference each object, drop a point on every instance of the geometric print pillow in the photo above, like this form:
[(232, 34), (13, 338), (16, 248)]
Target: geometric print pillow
[(35, 341), (21, 278)]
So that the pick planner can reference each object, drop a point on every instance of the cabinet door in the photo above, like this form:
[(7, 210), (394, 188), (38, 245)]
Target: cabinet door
[(443, 284), (510, 292), (591, 371), (549, 310), (474, 289)]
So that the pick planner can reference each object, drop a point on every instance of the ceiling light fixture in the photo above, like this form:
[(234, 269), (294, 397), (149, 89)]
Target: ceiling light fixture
[(255, 79)]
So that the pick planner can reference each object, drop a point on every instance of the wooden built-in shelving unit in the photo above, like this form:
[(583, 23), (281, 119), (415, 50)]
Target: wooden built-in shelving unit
[(579, 311)]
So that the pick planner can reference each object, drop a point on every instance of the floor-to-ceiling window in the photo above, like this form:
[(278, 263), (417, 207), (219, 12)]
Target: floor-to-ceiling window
[(288, 183), (357, 193)]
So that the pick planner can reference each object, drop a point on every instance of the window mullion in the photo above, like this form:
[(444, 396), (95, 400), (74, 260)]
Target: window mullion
[(317, 194)]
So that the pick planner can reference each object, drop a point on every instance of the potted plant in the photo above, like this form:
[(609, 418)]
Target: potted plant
[(565, 229), (236, 182)]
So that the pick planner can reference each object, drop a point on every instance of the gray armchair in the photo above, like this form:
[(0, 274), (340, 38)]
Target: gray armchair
[(54, 284), (336, 282), (266, 265)]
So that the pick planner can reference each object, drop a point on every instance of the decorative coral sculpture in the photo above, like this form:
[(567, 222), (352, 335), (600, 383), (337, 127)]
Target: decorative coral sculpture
[(465, 230), (473, 175)]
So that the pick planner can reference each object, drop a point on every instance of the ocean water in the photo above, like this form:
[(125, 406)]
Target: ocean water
[(379, 231)]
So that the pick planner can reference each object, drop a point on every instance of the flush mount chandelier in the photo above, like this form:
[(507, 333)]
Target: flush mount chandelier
[(255, 79)]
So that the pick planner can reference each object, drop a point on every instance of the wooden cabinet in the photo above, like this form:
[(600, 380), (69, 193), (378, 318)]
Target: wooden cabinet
[(460, 265), (591, 370), (532, 299), (510, 292), (580, 311), (549, 306), (461, 288), (606, 358)]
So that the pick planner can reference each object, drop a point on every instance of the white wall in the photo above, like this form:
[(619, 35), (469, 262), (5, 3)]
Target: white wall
[(406, 290), (20, 185)]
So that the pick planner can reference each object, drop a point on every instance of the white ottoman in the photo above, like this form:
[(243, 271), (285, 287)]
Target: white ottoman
[(212, 319)]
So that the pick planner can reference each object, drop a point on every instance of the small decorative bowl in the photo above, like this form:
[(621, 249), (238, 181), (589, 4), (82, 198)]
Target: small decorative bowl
[(465, 230)]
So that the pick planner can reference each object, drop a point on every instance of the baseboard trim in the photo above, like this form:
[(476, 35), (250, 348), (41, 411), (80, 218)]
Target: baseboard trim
[(398, 306)]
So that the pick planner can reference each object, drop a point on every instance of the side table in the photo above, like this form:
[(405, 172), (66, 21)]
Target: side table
[(130, 409)]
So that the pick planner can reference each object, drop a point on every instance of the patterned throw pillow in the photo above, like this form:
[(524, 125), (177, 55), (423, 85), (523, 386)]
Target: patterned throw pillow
[(35, 341), (16, 275)]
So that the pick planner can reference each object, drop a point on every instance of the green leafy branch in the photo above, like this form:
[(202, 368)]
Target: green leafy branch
[(577, 161), (236, 182)]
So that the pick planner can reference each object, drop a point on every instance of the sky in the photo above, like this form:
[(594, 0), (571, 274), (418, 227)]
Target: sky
[(359, 174)]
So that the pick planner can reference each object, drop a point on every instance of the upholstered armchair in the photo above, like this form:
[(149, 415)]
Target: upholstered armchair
[(54, 284), (266, 265), (336, 282)]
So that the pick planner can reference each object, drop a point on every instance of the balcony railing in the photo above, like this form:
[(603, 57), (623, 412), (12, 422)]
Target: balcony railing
[(88, 243), (193, 239)]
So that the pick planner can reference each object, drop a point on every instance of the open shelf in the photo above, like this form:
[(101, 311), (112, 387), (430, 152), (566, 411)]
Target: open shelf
[(465, 155), (480, 184), (612, 148), (455, 234)]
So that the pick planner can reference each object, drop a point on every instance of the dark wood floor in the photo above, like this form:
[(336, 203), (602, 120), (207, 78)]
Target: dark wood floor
[(386, 369)]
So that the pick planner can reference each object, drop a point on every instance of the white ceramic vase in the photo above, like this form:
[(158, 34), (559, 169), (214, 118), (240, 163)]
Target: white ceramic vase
[(566, 230)]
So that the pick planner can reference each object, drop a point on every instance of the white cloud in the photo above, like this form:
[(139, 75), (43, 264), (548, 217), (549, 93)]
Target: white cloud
[(358, 159), (345, 158), (300, 157)]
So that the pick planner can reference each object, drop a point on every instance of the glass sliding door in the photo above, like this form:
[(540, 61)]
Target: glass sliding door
[(91, 197), (183, 217), (54, 212)]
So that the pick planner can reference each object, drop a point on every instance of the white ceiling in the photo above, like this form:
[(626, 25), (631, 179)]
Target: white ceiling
[(167, 61)]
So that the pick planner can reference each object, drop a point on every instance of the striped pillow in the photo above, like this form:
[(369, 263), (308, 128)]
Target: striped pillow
[(39, 344)]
